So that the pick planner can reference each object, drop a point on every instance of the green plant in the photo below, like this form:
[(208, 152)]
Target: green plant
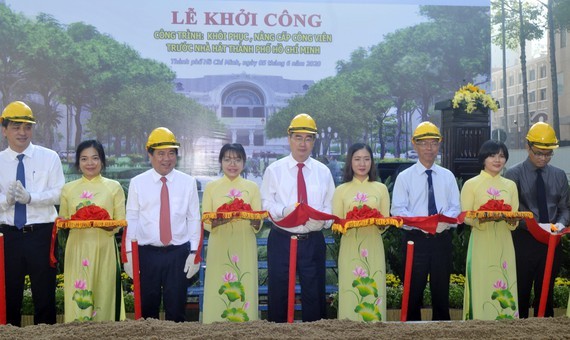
[(136, 158), (59, 301), (471, 98), (129, 299), (456, 296), (560, 296), (110, 161), (394, 297), (27, 303)]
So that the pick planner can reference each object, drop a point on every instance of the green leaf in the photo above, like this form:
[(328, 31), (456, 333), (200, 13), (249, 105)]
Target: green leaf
[(368, 311), (83, 298), (505, 298), (235, 315), (366, 286), (84, 318), (233, 290), (504, 317)]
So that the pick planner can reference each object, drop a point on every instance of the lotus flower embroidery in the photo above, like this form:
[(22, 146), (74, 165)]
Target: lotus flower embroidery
[(83, 297), (360, 198), (86, 199), (502, 299), (232, 292), (365, 288)]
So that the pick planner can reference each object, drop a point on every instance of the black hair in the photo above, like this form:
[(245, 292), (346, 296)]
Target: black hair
[(348, 172), (151, 150), (491, 148), (235, 147), (91, 143), (6, 122)]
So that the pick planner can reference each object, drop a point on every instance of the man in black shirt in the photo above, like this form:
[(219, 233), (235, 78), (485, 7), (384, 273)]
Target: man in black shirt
[(543, 190)]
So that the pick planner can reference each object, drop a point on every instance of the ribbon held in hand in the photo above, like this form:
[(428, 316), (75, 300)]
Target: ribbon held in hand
[(301, 215)]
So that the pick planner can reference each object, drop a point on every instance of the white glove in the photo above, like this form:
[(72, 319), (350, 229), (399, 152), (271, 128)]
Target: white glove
[(560, 226), (441, 226), (128, 266), (190, 268), (545, 226), (288, 210), (22, 195), (314, 225), (11, 194)]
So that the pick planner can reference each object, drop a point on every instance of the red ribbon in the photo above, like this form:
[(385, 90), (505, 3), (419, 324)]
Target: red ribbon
[(540, 234), (495, 205), (237, 204), (303, 212), (52, 259), (427, 223), (91, 212), (124, 246), (362, 213), (198, 257), (301, 215)]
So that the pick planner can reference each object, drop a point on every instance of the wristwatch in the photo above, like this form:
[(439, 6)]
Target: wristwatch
[(193, 251)]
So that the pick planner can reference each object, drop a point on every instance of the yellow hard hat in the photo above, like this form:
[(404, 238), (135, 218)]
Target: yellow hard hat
[(302, 123), (18, 112), (426, 130), (542, 136), (162, 138)]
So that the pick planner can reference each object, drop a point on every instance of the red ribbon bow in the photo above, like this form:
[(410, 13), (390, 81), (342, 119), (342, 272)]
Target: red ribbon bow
[(363, 212), (236, 205), (495, 205), (91, 212)]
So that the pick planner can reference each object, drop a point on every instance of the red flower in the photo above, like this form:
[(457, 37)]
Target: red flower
[(363, 213), (236, 205), (495, 205), (91, 212)]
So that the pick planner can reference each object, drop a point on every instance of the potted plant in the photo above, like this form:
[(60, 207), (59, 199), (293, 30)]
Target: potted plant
[(465, 126), (471, 98)]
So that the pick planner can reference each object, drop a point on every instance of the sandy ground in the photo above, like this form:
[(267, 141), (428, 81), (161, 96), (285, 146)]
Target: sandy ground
[(549, 328)]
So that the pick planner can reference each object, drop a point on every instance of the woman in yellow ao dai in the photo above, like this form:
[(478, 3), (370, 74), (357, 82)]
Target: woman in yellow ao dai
[(361, 260), (231, 286), (92, 287), (490, 285)]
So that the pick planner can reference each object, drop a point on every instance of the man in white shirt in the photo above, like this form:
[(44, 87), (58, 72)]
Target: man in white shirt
[(31, 179), (279, 196), (163, 215), (411, 198)]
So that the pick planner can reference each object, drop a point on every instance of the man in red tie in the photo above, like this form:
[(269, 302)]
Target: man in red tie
[(163, 214), (294, 179)]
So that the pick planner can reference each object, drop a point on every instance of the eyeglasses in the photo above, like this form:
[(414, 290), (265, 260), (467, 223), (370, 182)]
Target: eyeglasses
[(542, 155), (235, 161), (302, 140), (424, 144)]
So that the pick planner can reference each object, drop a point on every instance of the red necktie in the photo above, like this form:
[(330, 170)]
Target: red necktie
[(164, 224), (541, 198), (301, 187)]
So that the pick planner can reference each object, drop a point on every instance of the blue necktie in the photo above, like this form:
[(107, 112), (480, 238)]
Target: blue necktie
[(20, 209), (432, 209)]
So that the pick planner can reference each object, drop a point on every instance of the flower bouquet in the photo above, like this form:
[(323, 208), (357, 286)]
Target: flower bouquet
[(364, 216), (90, 216), (235, 208), (496, 209), (471, 98)]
